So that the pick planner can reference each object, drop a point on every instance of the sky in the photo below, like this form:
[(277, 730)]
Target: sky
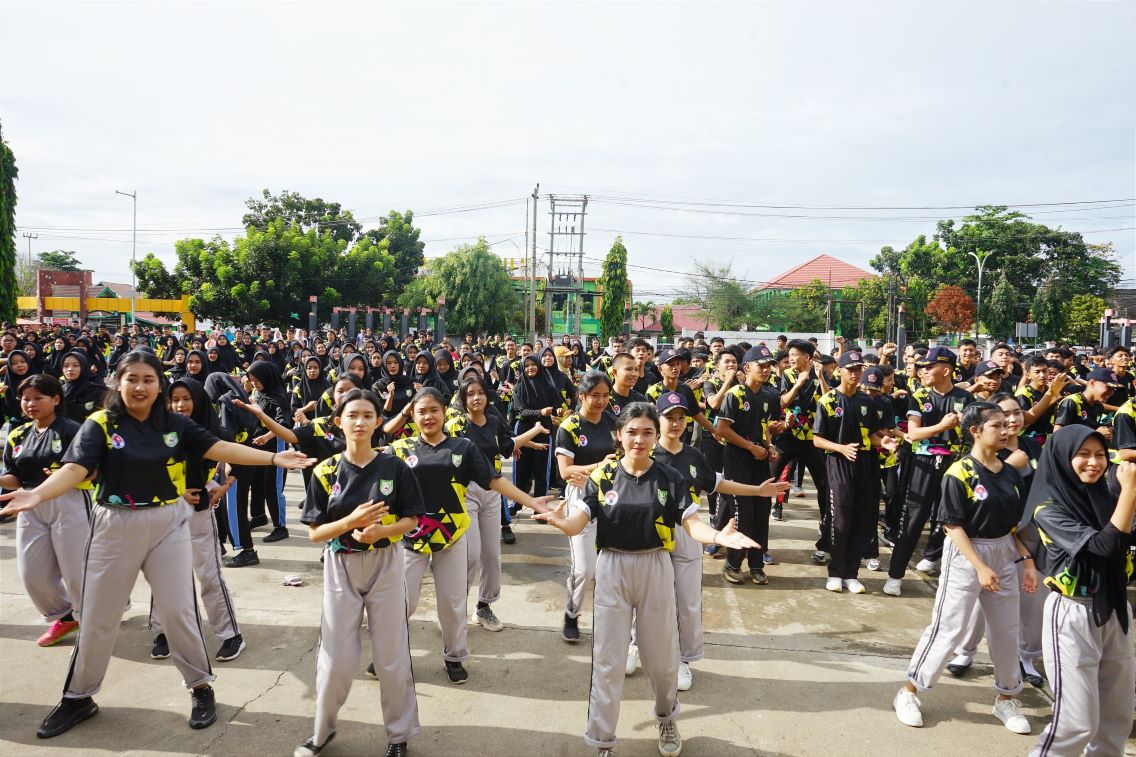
[(682, 122)]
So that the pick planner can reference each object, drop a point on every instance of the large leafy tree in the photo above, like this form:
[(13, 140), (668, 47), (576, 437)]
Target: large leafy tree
[(60, 260), (291, 207), (401, 239), (644, 312), (1047, 310), (951, 308), (1000, 313), (718, 294), (667, 323), (615, 290), (8, 284), (1082, 319), (476, 285)]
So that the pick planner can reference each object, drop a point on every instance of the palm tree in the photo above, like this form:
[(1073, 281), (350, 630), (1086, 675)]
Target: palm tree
[(645, 312)]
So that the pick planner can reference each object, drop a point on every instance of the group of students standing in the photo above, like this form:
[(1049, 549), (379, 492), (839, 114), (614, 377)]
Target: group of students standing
[(410, 442)]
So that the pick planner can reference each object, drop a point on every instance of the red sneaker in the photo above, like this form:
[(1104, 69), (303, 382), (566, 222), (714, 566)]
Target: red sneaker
[(56, 632)]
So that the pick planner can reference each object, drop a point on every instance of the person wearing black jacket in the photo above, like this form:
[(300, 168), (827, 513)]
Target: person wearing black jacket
[(268, 487), (535, 398)]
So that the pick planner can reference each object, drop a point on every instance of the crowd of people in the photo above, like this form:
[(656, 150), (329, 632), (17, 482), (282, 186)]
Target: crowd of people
[(161, 451)]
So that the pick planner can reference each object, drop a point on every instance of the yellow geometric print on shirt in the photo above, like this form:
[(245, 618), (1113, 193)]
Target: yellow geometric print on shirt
[(325, 474), (174, 469), (604, 478)]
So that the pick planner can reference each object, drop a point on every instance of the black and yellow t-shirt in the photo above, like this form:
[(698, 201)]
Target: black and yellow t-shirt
[(338, 486), (693, 467), (321, 438), (749, 413), (930, 408), (585, 442), (27, 451), (1123, 430), (800, 414), (985, 504), (846, 420), (493, 438), (693, 397), (138, 465), (617, 402), (886, 420), (1042, 428), (444, 472), (637, 513), (1076, 409), (1066, 566)]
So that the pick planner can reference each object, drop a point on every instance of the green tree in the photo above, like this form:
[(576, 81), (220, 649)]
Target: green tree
[(1047, 310), (1001, 310), (811, 301), (292, 207), (615, 290), (8, 284), (398, 233), (59, 260), (476, 285), (667, 323), (1082, 319), (720, 297), (644, 312)]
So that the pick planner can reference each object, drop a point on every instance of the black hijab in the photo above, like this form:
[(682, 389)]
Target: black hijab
[(81, 392), (226, 355), (204, 372), (272, 385), (11, 399), (538, 392), (121, 347), (177, 370), (34, 354), (203, 414), (312, 389), (351, 357)]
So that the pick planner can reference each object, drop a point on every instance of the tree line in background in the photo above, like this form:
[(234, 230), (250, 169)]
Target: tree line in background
[(1051, 277)]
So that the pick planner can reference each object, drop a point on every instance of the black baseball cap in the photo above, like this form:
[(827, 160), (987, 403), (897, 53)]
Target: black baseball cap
[(851, 359), (668, 355), (758, 354), (669, 401), (873, 378), (1105, 376), (987, 366), (938, 355)]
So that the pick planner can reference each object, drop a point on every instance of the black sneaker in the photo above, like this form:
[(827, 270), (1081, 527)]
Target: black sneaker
[(820, 557), (243, 559), (204, 711), (231, 648), (161, 648), (889, 538), (732, 574), (309, 748), (758, 577), (371, 670), (571, 630), (396, 750), (507, 535), (278, 534), (514, 509), (778, 512), (66, 715), (456, 672), (258, 521)]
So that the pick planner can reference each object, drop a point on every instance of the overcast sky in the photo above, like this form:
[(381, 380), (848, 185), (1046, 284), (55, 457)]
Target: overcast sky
[(439, 107)]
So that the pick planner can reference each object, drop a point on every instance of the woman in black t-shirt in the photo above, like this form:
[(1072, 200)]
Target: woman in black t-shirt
[(638, 505), (138, 452)]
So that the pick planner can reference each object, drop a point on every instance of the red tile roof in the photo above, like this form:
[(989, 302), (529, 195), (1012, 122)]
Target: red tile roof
[(685, 317), (832, 271)]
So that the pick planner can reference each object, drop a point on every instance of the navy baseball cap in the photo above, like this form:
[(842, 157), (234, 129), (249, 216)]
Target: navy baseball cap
[(668, 355), (873, 378), (851, 359), (669, 401), (1105, 376), (758, 354), (937, 355), (986, 367)]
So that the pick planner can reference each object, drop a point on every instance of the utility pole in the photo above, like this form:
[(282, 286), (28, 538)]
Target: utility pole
[(532, 269), (29, 236), (525, 270), (981, 257), (133, 258)]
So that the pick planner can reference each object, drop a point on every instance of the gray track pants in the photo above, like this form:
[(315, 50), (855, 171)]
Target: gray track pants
[(582, 551), (1030, 608), (373, 581), (451, 572), (207, 569), (641, 583), (483, 542), (50, 541), (1092, 673), (687, 561), (155, 541), (960, 596)]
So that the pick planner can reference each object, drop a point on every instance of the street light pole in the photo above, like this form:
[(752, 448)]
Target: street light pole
[(981, 257), (134, 257)]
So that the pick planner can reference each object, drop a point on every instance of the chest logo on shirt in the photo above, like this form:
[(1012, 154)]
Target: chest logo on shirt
[(410, 392), (16, 452), (745, 406), (839, 412), (959, 406), (412, 460), (583, 441), (611, 497), (56, 446), (864, 411), (927, 407), (1084, 414), (117, 441), (615, 409), (693, 472), (89, 406), (386, 486), (980, 492), (171, 439), (662, 495), (456, 460), (335, 489)]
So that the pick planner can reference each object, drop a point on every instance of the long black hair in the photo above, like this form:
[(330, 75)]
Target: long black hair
[(113, 403)]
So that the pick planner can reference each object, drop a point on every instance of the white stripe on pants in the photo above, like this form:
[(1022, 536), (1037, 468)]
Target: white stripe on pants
[(641, 583), (687, 561), (1030, 609), (960, 596), (50, 542), (450, 590), (1092, 674), (582, 551), (155, 541), (207, 569), (373, 581), (483, 542)]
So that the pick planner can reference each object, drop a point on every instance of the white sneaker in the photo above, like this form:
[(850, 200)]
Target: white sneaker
[(632, 659), (685, 677), (893, 587), (927, 566), (907, 709), (853, 586), (796, 491), (873, 564), (1009, 711), (834, 584), (670, 743)]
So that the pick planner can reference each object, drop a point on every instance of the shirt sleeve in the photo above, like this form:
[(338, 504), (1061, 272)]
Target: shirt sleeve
[(706, 478), (505, 443), (683, 505), (1124, 431), (730, 407), (822, 423), (475, 468), (591, 498), (197, 440), (953, 501), (1067, 414), (914, 408), (314, 511), (88, 448), (9, 466), (409, 502), (566, 442)]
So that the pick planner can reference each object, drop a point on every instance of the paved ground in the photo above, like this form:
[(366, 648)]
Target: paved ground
[(790, 669)]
